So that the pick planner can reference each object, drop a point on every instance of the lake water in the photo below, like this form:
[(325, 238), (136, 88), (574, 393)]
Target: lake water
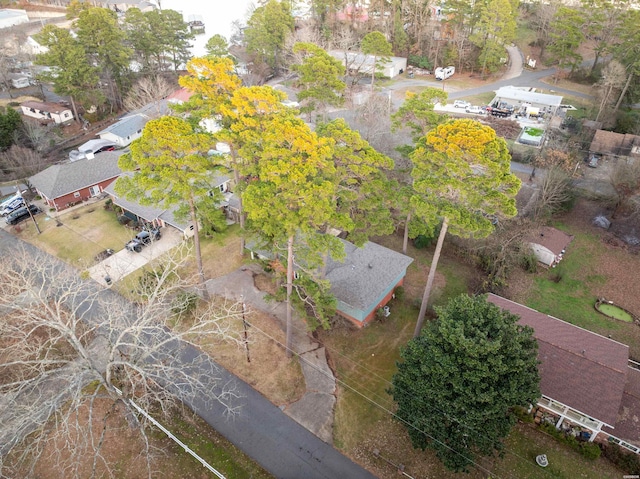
[(218, 15)]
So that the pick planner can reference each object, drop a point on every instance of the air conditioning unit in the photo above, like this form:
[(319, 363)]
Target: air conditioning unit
[(387, 311)]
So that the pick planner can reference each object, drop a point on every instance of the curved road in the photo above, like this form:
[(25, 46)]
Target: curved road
[(515, 76)]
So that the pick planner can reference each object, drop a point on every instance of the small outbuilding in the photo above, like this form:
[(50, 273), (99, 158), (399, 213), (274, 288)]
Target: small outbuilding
[(50, 112), (549, 244), (610, 144)]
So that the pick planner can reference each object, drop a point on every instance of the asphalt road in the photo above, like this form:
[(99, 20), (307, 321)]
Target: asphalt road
[(257, 427)]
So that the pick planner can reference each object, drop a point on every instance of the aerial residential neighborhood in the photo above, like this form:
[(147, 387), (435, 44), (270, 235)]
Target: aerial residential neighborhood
[(346, 239)]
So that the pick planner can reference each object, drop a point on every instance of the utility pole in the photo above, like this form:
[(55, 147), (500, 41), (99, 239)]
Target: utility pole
[(27, 205), (245, 325)]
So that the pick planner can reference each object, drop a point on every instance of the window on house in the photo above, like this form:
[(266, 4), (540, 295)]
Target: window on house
[(139, 131), (222, 187), (76, 194)]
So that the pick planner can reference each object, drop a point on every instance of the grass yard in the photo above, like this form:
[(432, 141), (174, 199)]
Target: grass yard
[(123, 448), (84, 232), (365, 359), (591, 269)]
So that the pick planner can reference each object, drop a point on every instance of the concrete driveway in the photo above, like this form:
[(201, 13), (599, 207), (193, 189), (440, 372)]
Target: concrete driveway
[(124, 262)]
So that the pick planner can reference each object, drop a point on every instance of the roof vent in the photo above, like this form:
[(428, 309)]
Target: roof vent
[(370, 266)]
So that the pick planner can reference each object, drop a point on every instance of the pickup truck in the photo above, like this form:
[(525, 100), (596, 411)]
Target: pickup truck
[(142, 239)]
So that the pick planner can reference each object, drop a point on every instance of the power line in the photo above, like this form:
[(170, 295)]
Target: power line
[(386, 408)]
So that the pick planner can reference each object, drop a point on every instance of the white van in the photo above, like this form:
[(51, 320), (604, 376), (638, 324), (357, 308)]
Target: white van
[(444, 73), (11, 204)]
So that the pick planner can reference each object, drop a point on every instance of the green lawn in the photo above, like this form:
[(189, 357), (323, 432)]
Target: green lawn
[(78, 235), (365, 359), (566, 291)]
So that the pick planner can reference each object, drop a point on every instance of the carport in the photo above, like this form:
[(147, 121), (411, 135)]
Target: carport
[(124, 262)]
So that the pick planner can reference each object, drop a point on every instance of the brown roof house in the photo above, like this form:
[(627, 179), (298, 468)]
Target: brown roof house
[(615, 145), (50, 112), (67, 184), (585, 378), (549, 244)]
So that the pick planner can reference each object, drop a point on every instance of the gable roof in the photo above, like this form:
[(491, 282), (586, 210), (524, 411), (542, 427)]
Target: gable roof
[(551, 238), (151, 212), (50, 107), (135, 120), (612, 143), (581, 369), (127, 126), (61, 179), (366, 273)]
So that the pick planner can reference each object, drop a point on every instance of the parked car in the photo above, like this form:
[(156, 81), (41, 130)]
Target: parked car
[(143, 238), (478, 110), (592, 161), (11, 204), (461, 104), (21, 214)]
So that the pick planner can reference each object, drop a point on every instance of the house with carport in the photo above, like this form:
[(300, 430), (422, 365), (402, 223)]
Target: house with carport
[(587, 381), (67, 184), (167, 217), (528, 102)]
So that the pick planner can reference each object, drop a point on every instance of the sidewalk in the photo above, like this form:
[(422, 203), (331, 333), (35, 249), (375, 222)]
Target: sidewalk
[(314, 410)]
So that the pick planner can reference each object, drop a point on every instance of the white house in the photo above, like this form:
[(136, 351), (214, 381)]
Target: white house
[(32, 47), (46, 111), (549, 244), (356, 62)]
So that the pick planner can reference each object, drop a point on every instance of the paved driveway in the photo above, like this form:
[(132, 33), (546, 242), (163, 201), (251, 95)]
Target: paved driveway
[(126, 262)]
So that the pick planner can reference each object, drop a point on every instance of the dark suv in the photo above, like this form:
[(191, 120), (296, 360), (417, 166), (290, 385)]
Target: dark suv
[(21, 214), (143, 238)]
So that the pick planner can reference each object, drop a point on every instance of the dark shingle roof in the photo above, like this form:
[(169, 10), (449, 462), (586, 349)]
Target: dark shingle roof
[(627, 426), (579, 368), (59, 180), (551, 238), (50, 107), (366, 273)]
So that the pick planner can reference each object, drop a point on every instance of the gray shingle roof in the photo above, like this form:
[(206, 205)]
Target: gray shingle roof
[(59, 180), (151, 213), (127, 126), (366, 273)]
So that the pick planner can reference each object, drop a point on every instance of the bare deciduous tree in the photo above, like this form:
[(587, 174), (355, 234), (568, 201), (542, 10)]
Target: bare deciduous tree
[(39, 137), (65, 343), (373, 120), (554, 192), (149, 90), (625, 179), (19, 163)]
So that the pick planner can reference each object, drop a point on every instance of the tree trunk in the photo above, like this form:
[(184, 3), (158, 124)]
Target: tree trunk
[(373, 73), (73, 107), (289, 342), (595, 63), (432, 275), (236, 175), (624, 91), (196, 242), (405, 241)]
